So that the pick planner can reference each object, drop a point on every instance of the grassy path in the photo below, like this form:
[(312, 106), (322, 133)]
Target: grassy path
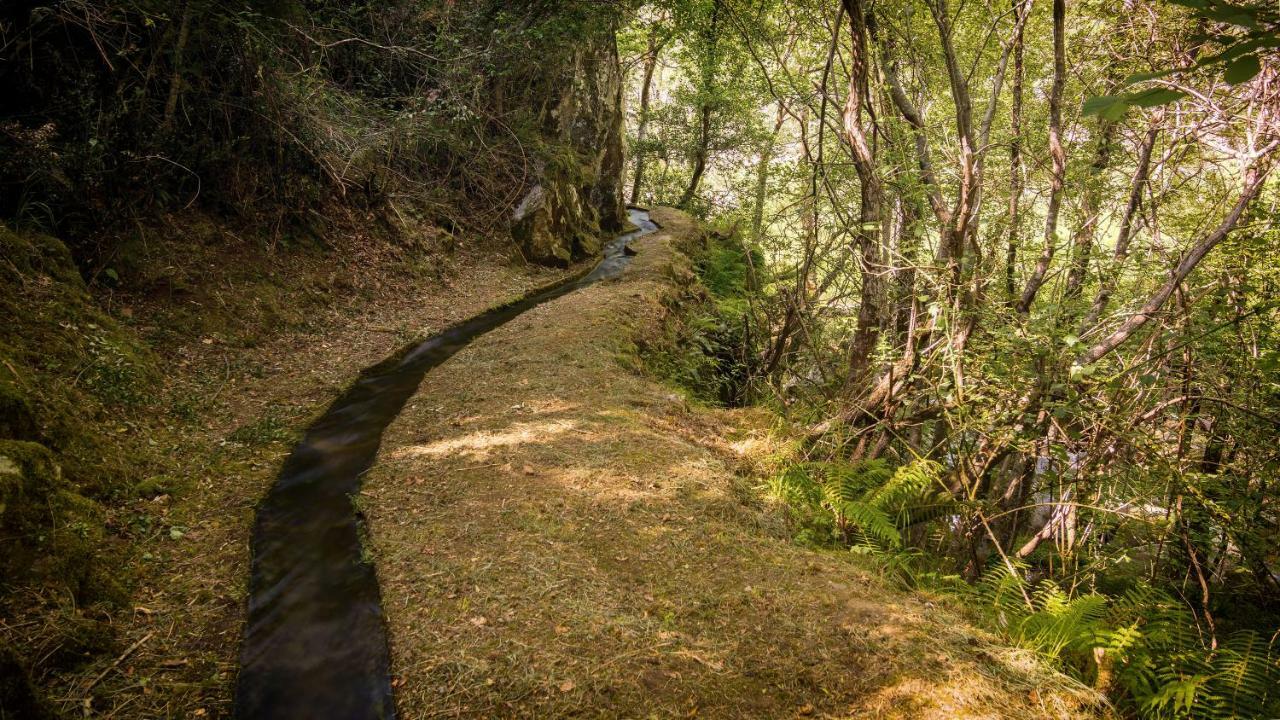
[(557, 536)]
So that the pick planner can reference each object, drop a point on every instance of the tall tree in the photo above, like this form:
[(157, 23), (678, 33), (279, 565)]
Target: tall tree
[(707, 94)]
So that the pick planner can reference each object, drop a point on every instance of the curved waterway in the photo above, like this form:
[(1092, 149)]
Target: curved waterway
[(315, 645)]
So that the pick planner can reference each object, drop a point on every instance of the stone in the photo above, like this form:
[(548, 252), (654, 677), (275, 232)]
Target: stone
[(576, 195)]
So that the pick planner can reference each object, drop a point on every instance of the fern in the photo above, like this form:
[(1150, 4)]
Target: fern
[(1002, 591), (1062, 624), (1155, 654), (872, 522)]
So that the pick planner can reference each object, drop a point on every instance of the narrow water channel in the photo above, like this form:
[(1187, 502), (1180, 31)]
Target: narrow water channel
[(315, 644)]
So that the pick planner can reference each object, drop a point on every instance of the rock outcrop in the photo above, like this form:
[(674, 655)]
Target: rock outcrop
[(576, 195)]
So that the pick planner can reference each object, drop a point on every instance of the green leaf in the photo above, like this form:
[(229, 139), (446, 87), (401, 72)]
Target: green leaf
[(1155, 96), (1095, 105), (1143, 77), (1116, 112), (1109, 107), (1081, 372), (1242, 70)]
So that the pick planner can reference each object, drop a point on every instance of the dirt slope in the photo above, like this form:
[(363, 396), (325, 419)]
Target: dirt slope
[(557, 536)]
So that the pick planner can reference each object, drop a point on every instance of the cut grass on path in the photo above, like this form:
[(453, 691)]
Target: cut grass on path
[(557, 536)]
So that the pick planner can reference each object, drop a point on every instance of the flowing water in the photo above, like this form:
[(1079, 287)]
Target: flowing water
[(315, 645)]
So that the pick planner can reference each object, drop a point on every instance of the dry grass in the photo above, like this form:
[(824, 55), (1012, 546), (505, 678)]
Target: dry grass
[(559, 537)]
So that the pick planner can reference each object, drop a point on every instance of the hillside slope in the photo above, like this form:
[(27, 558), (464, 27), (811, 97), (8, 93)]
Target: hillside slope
[(556, 535)]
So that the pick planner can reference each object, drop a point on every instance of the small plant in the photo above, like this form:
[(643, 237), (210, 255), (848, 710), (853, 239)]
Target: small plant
[(185, 408), (265, 431), (113, 374), (1142, 646)]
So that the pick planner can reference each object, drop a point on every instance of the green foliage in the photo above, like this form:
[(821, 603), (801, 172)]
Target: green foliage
[(50, 531), (726, 266), (1244, 33), (270, 429), (1151, 464), (273, 109), (1141, 640), (867, 502), (709, 349), (114, 373)]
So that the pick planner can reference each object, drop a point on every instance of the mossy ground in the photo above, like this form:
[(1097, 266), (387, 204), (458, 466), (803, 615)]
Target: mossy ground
[(559, 536), (151, 415)]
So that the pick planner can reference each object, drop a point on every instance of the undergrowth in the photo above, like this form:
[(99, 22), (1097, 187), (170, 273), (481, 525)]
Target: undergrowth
[(1143, 648), (707, 345)]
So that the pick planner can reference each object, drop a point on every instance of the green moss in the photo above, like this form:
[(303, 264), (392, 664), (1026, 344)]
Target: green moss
[(17, 417), (263, 432), (49, 532), (70, 378), (154, 487), (701, 349)]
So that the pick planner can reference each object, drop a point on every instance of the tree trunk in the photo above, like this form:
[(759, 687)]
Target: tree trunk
[(1253, 180), (699, 159), (1015, 159), (710, 66), (762, 179), (175, 81), (1090, 203), (1058, 156), (1108, 285), (867, 235), (642, 126)]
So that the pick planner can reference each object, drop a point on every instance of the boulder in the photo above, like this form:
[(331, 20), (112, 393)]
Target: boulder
[(575, 197)]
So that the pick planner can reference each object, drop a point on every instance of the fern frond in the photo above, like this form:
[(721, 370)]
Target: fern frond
[(872, 521)]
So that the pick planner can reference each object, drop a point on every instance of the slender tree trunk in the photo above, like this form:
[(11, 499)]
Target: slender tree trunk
[(175, 80), (956, 223), (710, 68), (1254, 177), (1015, 159), (699, 158), (642, 127), (907, 248), (1091, 197), (1108, 285), (1058, 156), (1090, 205), (762, 178)]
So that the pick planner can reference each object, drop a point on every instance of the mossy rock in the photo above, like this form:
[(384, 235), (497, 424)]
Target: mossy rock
[(17, 416), (50, 533), (33, 253)]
